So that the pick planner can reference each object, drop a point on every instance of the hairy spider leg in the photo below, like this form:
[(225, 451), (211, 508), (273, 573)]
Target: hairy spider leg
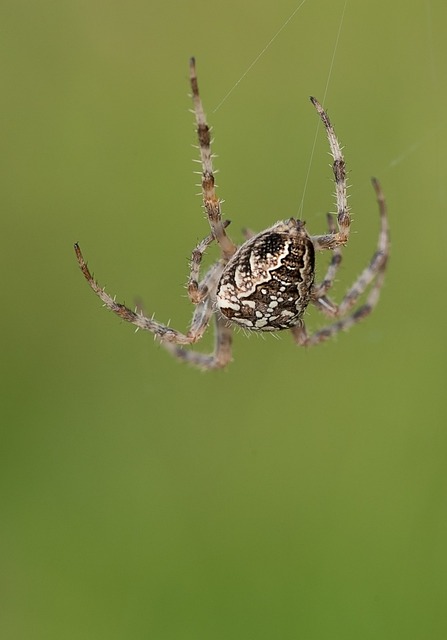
[(374, 273), (211, 202), (332, 240)]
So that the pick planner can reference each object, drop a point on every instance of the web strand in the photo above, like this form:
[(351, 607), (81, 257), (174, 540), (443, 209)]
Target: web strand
[(269, 43), (301, 207)]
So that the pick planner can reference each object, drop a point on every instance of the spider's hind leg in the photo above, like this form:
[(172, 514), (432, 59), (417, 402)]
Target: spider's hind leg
[(319, 290), (369, 274), (218, 359), (378, 262), (373, 274), (221, 355)]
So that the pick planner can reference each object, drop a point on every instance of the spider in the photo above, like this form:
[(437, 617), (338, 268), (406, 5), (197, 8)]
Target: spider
[(267, 283)]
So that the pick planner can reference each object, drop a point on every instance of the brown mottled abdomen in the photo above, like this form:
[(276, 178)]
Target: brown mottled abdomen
[(266, 284)]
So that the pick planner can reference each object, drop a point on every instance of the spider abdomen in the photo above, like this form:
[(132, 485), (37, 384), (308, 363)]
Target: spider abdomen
[(266, 284)]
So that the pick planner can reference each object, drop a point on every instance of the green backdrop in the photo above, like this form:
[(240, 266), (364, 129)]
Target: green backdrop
[(299, 494)]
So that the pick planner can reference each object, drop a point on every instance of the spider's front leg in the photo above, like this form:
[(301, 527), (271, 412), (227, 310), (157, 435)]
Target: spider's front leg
[(333, 240), (161, 331), (210, 200)]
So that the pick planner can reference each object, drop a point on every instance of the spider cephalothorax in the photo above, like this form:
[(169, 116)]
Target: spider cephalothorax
[(267, 283)]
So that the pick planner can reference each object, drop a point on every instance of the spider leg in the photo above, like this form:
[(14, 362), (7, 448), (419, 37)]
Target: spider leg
[(319, 290), (219, 358), (374, 273), (161, 331), (221, 355), (304, 340), (248, 233), (332, 240), (205, 308), (369, 274), (378, 261), (198, 291), (210, 200)]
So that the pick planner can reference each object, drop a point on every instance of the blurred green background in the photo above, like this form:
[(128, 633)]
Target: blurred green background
[(297, 494)]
